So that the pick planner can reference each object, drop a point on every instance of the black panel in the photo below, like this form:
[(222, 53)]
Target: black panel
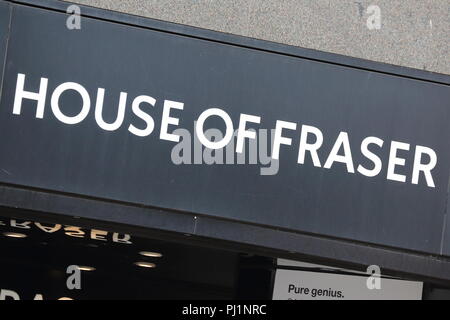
[(83, 159), (37, 263), (5, 13), (446, 233)]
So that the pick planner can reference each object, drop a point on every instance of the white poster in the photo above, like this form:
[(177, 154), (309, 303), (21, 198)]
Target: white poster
[(305, 285)]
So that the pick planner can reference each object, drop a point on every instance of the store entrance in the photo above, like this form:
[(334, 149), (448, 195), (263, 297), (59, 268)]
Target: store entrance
[(54, 260), (46, 258)]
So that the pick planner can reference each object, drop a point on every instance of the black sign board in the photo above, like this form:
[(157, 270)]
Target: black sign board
[(121, 112)]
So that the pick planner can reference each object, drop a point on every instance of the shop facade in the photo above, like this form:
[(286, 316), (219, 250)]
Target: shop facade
[(240, 151)]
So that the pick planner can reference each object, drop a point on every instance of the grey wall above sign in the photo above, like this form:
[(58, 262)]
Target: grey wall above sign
[(51, 142)]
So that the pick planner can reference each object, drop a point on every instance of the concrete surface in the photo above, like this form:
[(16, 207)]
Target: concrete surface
[(413, 33)]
